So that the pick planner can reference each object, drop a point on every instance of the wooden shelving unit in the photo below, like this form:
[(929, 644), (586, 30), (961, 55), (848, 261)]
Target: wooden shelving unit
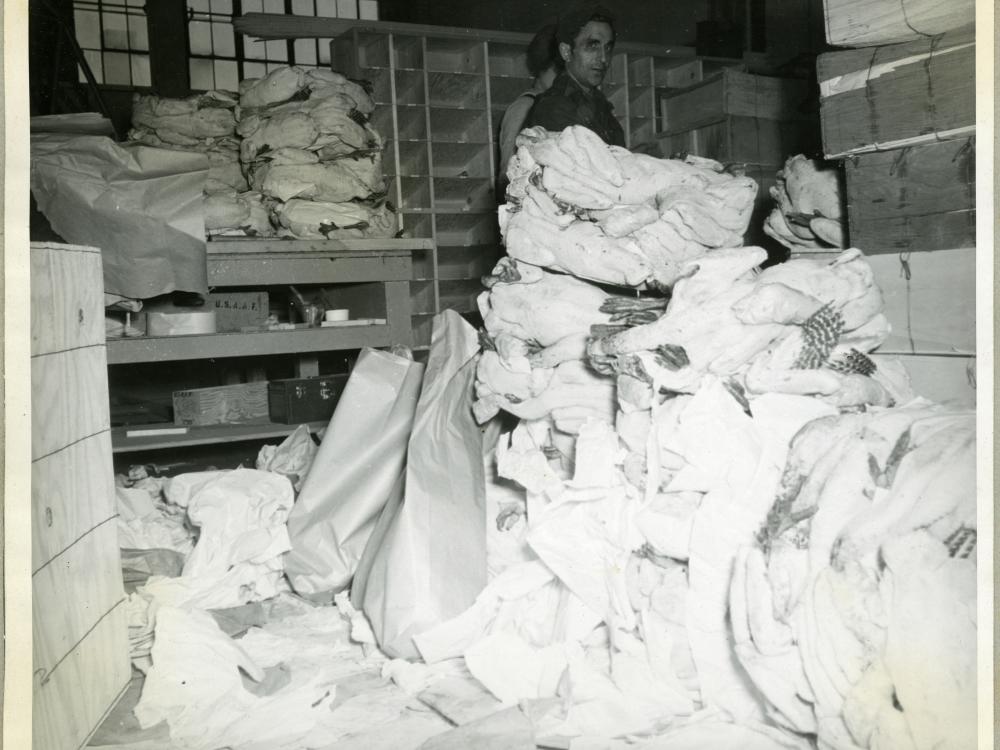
[(442, 93), (372, 278)]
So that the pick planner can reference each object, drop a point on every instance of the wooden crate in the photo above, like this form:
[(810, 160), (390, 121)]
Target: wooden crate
[(934, 311), (244, 403), (918, 198), (732, 92), (867, 23), (80, 642), (897, 95), (750, 140)]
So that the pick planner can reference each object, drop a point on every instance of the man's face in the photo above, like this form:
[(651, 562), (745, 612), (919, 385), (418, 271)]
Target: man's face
[(589, 57)]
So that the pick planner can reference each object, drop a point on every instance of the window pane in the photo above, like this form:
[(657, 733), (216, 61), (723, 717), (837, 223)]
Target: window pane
[(253, 6), (274, 6), (253, 48), (347, 8), (201, 75), (223, 39), (368, 10), (115, 31), (305, 51), (326, 8), (277, 49), (88, 29), (227, 75), (323, 46), (200, 38), (93, 59), (117, 68), (223, 7), (138, 36), (140, 70), (198, 6), (303, 8), (254, 70)]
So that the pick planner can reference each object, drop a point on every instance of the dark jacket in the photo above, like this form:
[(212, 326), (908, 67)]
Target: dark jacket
[(568, 103)]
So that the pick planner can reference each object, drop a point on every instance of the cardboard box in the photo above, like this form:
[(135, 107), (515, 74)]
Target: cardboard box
[(898, 95), (245, 403), (297, 400), (236, 310)]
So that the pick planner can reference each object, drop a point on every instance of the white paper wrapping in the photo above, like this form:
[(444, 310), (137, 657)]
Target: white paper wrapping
[(141, 206), (360, 459)]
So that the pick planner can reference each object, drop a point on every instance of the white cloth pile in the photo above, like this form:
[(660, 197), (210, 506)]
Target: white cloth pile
[(808, 211), (855, 613), (602, 213), (653, 449), (237, 558), (308, 148), (205, 123)]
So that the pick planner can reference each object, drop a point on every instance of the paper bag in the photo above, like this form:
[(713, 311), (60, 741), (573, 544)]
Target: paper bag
[(141, 206), (359, 461), (430, 563)]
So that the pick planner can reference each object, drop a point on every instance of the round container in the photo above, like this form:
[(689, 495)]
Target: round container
[(335, 315)]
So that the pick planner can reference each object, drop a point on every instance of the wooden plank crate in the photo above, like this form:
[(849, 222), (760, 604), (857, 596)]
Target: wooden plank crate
[(80, 643), (867, 23), (913, 199), (733, 92), (898, 95), (749, 140)]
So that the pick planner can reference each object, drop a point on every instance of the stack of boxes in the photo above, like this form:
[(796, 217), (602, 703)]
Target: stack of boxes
[(899, 111)]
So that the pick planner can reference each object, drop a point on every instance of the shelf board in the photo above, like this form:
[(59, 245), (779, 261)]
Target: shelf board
[(223, 245), (222, 345), (204, 435)]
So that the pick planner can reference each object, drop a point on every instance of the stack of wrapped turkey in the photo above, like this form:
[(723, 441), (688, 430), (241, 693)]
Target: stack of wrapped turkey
[(808, 213), (725, 513), (205, 123), (309, 150)]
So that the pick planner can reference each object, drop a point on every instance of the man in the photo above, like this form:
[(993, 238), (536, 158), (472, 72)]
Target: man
[(586, 40)]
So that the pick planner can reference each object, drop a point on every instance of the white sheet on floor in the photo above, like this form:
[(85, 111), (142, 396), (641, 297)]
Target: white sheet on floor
[(241, 515)]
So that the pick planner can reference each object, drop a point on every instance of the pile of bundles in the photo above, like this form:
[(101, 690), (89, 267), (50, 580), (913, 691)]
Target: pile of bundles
[(308, 149), (293, 156), (577, 206), (205, 123), (729, 512), (855, 612), (808, 214)]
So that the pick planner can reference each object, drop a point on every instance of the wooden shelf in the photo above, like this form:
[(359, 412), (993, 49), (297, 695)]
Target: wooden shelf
[(223, 345), (205, 435)]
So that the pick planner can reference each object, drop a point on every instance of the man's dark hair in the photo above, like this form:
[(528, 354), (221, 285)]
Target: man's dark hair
[(571, 22), (543, 52)]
